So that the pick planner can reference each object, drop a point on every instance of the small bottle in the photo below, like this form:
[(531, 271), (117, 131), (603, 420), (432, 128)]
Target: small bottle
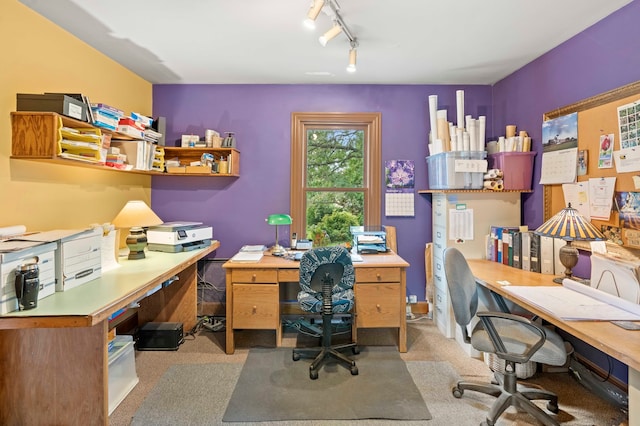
[(294, 240)]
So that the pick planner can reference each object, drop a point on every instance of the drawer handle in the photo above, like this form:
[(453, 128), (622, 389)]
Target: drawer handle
[(254, 310), (378, 277), (438, 277), (378, 308), (439, 298), (253, 277), (438, 266), (439, 234)]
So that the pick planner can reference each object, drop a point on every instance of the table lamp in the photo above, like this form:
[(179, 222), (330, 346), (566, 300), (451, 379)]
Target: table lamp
[(136, 215), (569, 225), (278, 219)]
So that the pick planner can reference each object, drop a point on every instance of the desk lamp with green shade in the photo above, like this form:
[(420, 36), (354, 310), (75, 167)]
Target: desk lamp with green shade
[(569, 225), (278, 219)]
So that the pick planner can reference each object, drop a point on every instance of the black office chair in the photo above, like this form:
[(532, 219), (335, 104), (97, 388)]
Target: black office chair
[(326, 283), (512, 338)]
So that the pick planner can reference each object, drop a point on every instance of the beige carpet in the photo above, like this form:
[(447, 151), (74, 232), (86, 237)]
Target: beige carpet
[(577, 405)]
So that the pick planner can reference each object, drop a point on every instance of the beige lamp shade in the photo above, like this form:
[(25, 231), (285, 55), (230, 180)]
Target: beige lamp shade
[(136, 213)]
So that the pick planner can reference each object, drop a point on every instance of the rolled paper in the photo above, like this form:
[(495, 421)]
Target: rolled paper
[(492, 147), (9, 231), (460, 138), (501, 144), (498, 187), (438, 146), (523, 134), (490, 175), (454, 141), (460, 108), (482, 126), (471, 128), (511, 131), (526, 145), (466, 142), (489, 184), (443, 133), (466, 122), (433, 108)]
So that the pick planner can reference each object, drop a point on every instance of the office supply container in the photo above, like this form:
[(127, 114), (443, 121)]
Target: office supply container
[(122, 370), (443, 175), (517, 168)]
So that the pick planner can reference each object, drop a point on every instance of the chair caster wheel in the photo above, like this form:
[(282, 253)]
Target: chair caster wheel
[(354, 370), (487, 423), (457, 392), (296, 356), (313, 374), (553, 407), (355, 350)]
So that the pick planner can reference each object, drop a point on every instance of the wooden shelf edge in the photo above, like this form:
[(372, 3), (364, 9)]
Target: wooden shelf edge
[(483, 191), (73, 163)]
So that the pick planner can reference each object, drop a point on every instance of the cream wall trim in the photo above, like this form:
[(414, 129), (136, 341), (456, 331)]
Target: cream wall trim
[(39, 56)]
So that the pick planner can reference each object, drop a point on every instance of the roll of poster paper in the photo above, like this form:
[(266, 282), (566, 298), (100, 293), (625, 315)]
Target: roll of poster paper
[(471, 128), (433, 108), (460, 138), (9, 231), (443, 129), (510, 131), (460, 108), (482, 127), (526, 145), (489, 184), (501, 144), (492, 147), (493, 174), (499, 186), (466, 143)]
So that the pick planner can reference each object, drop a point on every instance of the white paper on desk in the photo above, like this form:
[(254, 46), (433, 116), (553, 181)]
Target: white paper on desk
[(601, 197), (627, 160), (247, 256), (578, 195), (570, 305)]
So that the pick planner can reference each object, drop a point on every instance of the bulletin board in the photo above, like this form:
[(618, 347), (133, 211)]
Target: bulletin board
[(596, 116)]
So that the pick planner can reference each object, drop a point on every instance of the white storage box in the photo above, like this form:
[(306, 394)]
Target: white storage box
[(10, 261), (122, 370), (79, 259)]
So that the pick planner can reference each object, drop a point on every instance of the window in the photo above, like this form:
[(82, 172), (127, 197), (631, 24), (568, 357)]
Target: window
[(335, 174)]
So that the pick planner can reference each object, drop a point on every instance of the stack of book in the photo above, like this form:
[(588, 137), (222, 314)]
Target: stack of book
[(106, 116), (518, 247)]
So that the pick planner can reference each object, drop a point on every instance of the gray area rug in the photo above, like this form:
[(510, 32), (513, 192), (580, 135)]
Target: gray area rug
[(274, 387)]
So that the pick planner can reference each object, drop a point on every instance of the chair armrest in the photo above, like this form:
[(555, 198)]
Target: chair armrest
[(488, 322)]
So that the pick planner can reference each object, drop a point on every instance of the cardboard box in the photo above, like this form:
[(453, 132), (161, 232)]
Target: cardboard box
[(53, 102), (10, 261)]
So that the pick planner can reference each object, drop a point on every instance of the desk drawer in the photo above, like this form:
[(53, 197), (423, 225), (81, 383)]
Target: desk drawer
[(438, 275), (378, 305), (256, 306), (377, 275), (254, 276), (289, 275)]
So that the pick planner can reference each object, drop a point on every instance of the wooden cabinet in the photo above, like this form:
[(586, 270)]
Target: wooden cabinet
[(36, 136)]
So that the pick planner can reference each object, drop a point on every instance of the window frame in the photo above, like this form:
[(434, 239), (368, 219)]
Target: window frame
[(370, 123)]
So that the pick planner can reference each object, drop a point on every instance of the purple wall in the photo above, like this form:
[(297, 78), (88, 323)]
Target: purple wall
[(260, 116), (601, 58)]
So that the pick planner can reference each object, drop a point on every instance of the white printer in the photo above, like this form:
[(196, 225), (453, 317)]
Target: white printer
[(174, 237)]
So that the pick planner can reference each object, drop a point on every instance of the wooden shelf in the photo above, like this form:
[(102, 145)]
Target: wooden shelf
[(479, 191), (35, 136)]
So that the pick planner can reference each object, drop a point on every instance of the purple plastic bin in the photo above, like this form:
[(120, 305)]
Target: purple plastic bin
[(517, 168)]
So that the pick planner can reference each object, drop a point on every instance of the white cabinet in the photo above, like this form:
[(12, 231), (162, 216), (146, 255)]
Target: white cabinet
[(488, 208)]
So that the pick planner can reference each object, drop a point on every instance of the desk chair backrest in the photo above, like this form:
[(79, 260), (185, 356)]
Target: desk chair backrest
[(315, 263), (462, 286)]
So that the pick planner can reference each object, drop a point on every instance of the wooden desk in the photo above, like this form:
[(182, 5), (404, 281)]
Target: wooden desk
[(253, 296), (53, 359), (615, 341)]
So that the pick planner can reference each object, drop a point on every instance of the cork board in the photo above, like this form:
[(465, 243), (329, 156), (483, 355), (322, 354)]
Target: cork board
[(596, 116)]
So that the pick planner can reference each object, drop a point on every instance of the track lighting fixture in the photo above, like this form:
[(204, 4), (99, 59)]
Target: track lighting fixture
[(352, 59), (334, 31), (313, 13)]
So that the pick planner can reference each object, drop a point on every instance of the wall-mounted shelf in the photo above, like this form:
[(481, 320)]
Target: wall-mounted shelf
[(475, 191), (36, 136)]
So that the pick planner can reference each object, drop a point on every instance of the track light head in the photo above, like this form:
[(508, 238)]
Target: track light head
[(313, 13), (334, 31), (352, 60)]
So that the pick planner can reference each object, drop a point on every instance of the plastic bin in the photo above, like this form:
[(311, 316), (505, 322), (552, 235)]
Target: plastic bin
[(122, 370), (517, 168), (442, 170)]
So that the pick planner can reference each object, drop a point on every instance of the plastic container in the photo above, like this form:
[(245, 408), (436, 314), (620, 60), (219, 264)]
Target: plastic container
[(122, 370), (517, 168), (442, 170)]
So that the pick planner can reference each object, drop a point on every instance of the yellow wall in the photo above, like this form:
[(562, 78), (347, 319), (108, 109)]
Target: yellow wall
[(37, 57)]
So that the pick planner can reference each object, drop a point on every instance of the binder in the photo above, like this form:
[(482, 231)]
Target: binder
[(516, 240), (546, 255), (525, 238), (534, 252)]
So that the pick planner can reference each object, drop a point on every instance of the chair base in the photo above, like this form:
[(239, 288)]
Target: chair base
[(520, 397), (321, 354)]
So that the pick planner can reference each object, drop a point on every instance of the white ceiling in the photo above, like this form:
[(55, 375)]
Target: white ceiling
[(264, 41)]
